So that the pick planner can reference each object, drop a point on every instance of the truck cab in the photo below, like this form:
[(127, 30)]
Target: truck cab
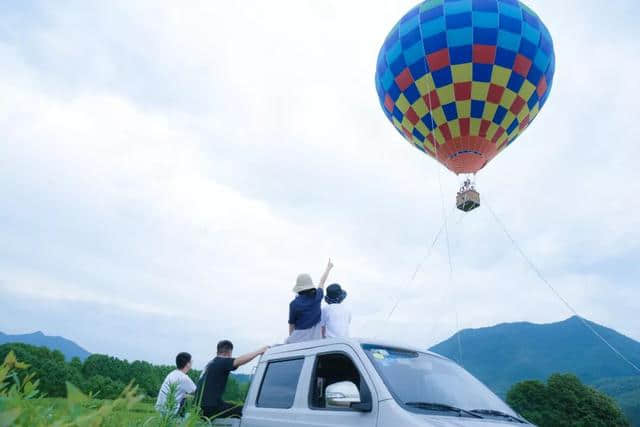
[(351, 382)]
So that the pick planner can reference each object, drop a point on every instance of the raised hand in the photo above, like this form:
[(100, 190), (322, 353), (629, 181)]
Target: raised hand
[(329, 265), (325, 274)]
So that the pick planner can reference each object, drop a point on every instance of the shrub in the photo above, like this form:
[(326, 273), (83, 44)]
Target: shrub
[(564, 401)]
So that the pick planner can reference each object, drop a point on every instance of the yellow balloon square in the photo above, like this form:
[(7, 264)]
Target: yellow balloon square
[(479, 91), (500, 75), (402, 103), (425, 84), (462, 72)]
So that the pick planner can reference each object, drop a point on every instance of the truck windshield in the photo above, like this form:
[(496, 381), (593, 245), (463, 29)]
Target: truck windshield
[(423, 381)]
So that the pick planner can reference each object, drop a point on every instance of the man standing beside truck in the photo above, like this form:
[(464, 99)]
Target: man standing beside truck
[(214, 379)]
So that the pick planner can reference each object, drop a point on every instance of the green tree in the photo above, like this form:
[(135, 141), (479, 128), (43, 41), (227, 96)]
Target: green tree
[(106, 366), (235, 391), (564, 402), (49, 366), (104, 387), (76, 364), (100, 374)]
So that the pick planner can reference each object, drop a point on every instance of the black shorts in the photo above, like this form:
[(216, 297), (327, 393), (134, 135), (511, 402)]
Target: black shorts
[(226, 410)]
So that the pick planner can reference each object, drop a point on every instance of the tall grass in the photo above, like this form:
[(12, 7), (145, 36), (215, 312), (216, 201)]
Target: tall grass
[(22, 404)]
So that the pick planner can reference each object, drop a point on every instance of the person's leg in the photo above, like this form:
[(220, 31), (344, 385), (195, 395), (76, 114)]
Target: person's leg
[(208, 411), (230, 410), (181, 408)]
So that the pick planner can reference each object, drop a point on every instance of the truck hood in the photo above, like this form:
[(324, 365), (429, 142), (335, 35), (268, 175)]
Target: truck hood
[(445, 421), (391, 414)]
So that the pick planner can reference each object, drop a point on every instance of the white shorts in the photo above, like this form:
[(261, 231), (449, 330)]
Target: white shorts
[(300, 335)]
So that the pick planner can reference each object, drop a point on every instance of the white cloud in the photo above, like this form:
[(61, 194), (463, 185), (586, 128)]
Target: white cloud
[(179, 166)]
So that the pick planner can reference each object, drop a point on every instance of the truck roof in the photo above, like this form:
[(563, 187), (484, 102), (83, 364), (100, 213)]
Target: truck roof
[(353, 342)]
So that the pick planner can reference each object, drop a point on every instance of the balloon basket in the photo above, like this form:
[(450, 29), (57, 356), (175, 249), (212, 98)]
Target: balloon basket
[(468, 198)]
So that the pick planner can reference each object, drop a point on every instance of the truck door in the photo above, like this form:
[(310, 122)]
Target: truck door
[(339, 364), (274, 403)]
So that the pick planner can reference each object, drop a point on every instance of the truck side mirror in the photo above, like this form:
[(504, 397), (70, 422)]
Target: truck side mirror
[(345, 394), (342, 395)]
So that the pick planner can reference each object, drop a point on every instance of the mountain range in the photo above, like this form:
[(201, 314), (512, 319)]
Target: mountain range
[(67, 347), (505, 354)]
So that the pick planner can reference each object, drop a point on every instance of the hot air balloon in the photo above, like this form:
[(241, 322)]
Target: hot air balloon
[(461, 79)]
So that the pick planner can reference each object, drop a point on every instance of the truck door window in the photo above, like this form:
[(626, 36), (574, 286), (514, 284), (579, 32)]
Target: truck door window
[(279, 384), (330, 369)]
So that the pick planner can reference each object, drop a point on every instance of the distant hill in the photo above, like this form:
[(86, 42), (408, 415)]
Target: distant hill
[(70, 349), (65, 346), (505, 354)]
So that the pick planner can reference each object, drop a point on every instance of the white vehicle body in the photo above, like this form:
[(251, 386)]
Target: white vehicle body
[(297, 385)]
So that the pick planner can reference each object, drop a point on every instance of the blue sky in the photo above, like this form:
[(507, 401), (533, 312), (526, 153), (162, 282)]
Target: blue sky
[(166, 171)]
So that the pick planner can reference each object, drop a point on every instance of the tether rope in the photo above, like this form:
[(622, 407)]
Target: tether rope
[(418, 267), (444, 216), (555, 292)]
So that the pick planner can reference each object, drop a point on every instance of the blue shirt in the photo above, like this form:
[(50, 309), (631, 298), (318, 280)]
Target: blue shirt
[(305, 312)]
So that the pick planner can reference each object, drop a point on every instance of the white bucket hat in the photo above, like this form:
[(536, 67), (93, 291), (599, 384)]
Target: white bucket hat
[(303, 283)]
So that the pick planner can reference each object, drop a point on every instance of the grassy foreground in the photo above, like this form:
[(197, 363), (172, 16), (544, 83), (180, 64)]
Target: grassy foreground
[(54, 409), (22, 404)]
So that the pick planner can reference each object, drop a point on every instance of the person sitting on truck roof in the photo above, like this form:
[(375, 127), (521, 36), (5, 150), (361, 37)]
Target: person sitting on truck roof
[(180, 382), (214, 379), (336, 317), (305, 310)]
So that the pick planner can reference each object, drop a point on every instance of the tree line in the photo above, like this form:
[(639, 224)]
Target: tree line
[(101, 375), (565, 401)]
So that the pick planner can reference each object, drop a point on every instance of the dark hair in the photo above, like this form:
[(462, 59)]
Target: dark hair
[(225, 346), (308, 293), (182, 359)]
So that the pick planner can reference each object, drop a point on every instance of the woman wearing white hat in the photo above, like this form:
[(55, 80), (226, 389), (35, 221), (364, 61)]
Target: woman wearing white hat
[(304, 311)]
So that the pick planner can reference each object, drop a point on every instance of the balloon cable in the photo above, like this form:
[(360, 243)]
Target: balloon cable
[(537, 271), (434, 140), (450, 281), (419, 266)]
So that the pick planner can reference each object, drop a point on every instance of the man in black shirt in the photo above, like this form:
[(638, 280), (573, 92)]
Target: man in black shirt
[(214, 379)]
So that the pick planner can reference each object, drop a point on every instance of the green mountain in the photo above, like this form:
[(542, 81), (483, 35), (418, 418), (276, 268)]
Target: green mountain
[(505, 354), (626, 390), (38, 339)]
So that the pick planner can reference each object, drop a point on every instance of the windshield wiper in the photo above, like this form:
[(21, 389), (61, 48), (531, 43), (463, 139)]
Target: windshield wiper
[(441, 407), (495, 413)]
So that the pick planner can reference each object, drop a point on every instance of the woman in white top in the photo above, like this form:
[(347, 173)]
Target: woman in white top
[(336, 317)]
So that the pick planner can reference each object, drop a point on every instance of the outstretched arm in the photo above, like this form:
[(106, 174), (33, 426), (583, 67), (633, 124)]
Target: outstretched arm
[(246, 358), (325, 275)]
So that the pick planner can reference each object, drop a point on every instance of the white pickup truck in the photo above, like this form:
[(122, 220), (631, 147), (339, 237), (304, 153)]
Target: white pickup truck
[(349, 383)]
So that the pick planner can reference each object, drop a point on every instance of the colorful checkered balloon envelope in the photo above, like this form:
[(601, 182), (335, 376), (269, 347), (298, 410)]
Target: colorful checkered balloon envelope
[(461, 79)]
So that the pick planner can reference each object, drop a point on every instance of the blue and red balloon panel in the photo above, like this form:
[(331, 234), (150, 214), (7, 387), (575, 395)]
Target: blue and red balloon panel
[(461, 79)]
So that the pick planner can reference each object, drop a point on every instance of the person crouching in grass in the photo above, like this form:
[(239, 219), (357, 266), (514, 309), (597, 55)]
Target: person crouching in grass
[(176, 385)]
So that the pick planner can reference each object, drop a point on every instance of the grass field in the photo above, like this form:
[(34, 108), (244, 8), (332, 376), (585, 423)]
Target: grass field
[(23, 404), (136, 415), (49, 411)]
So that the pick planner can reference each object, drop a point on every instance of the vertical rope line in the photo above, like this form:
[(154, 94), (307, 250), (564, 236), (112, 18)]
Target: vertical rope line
[(450, 281), (446, 227), (537, 271), (418, 268), (435, 147)]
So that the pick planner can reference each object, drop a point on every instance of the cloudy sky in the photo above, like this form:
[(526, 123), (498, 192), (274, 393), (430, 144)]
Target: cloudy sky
[(166, 170)]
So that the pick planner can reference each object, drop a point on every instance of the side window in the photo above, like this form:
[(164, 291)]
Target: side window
[(278, 389), (330, 369)]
